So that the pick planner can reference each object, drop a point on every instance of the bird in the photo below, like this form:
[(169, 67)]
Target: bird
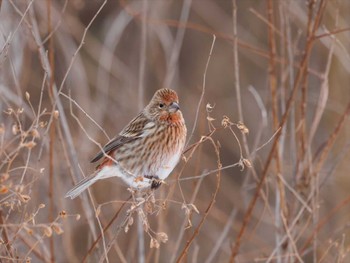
[(146, 151)]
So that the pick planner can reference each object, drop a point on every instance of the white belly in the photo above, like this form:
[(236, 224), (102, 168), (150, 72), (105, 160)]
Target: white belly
[(164, 171)]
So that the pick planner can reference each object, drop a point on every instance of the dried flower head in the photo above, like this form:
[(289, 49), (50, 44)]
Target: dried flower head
[(24, 198), (57, 228), (226, 121), (241, 126), (63, 214), (47, 231), (162, 237), (154, 243), (27, 95)]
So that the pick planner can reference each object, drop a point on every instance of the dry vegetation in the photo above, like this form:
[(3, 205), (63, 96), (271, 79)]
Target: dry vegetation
[(73, 73)]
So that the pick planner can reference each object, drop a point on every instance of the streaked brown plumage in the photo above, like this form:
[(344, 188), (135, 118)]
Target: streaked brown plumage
[(146, 150)]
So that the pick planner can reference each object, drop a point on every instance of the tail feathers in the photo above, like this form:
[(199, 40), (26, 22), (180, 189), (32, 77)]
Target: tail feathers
[(81, 186), (105, 172)]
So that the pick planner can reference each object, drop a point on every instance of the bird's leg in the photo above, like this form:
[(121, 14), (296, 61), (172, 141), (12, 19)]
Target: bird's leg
[(156, 182)]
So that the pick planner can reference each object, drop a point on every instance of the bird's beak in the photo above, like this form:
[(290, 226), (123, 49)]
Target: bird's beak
[(174, 107)]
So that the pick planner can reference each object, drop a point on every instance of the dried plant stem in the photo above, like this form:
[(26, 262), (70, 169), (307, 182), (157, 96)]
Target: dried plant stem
[(143, 56), (210, 205), (36, 250), (85, 258), (4, 235), (222, 237), (57, 101), (141, 88), (52, 131), (322, 222), (281, 208), (203, 91), (299, 77), (330, 141), (176, 48), (141, 238)]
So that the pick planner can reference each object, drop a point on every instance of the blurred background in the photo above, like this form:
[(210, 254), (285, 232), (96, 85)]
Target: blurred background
[(74, 73)]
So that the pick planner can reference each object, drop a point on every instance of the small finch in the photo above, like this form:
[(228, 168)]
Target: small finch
[(146, 150)]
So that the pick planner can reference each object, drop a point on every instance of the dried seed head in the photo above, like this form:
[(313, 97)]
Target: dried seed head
[(47, 231), (247, 163), (19, 188), (35, 133), (164, 205), (24, 198), (226, 122), (29, 145), (27, 95), (162, 237), (15, 129), (58, 230), (63, 214), (241, 126), (56, 114), (154, 243), (209, 107), (9, 111), (41, 206), (42, 124)]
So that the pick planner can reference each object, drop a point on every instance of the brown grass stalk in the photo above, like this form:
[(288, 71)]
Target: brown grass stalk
[(210, 205), (93, 245), (299, 77)]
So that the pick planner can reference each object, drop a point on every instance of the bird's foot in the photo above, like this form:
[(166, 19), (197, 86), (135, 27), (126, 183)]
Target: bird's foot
[(155, 181)]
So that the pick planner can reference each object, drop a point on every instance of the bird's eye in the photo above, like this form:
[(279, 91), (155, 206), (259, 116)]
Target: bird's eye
[(161, 105)]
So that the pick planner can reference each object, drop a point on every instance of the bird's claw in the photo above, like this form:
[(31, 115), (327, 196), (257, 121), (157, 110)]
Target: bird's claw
[(155, 181)]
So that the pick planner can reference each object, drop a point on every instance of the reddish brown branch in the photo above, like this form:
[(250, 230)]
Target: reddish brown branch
[(337, 31), (273, 89)]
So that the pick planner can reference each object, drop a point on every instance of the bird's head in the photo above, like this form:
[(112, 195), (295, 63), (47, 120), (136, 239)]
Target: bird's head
[(164, 107)]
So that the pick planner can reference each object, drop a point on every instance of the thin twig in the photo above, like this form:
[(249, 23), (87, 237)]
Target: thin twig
[(206, 213), (203, 91), (85, 258)]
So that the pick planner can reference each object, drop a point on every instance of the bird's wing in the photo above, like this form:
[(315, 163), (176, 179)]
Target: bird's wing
[(137, 128)]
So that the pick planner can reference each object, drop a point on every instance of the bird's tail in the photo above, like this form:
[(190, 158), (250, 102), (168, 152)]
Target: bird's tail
[(105, 172), (81, 186)]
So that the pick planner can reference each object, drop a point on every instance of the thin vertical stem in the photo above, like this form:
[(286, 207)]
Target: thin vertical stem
[(281, 208), (141, 240), (52, 130), (297, 83), (140, 232), (174, 57), (143, 56)]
